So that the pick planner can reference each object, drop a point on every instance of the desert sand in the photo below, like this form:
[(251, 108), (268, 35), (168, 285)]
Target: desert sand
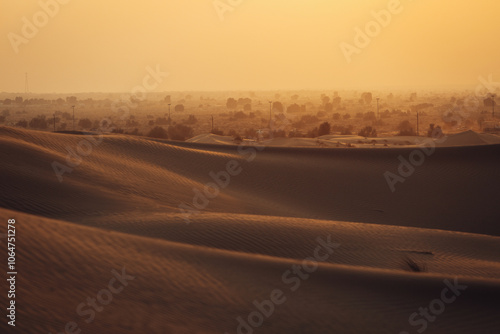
[(205, 270), (467, 138)]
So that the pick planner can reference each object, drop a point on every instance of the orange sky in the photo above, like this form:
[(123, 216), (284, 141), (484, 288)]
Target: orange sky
[(90, 46)]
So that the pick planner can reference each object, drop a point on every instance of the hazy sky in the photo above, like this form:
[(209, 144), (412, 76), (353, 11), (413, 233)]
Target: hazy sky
[(91, 45)]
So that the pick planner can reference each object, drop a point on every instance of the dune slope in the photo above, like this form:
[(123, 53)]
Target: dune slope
[(117, 212), (455, 188)]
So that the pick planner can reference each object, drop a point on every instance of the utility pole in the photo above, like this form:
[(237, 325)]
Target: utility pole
[(26, 86), (417, 123), (54, 122), (212, 124), (378, 98), (270, 113), (73, 117), (493, 104), (169, 114)]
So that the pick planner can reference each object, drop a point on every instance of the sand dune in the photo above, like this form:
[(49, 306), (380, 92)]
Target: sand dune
[(467, 138), (199, 272), (470, 138)]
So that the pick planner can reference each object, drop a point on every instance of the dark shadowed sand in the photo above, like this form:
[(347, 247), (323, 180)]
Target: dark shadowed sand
[(199, 272)]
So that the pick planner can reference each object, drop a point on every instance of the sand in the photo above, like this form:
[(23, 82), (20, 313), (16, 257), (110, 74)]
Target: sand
[(204, 272), (467, 138)]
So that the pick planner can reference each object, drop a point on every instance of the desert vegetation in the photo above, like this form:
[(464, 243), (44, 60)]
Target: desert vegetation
[(179, 116)]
